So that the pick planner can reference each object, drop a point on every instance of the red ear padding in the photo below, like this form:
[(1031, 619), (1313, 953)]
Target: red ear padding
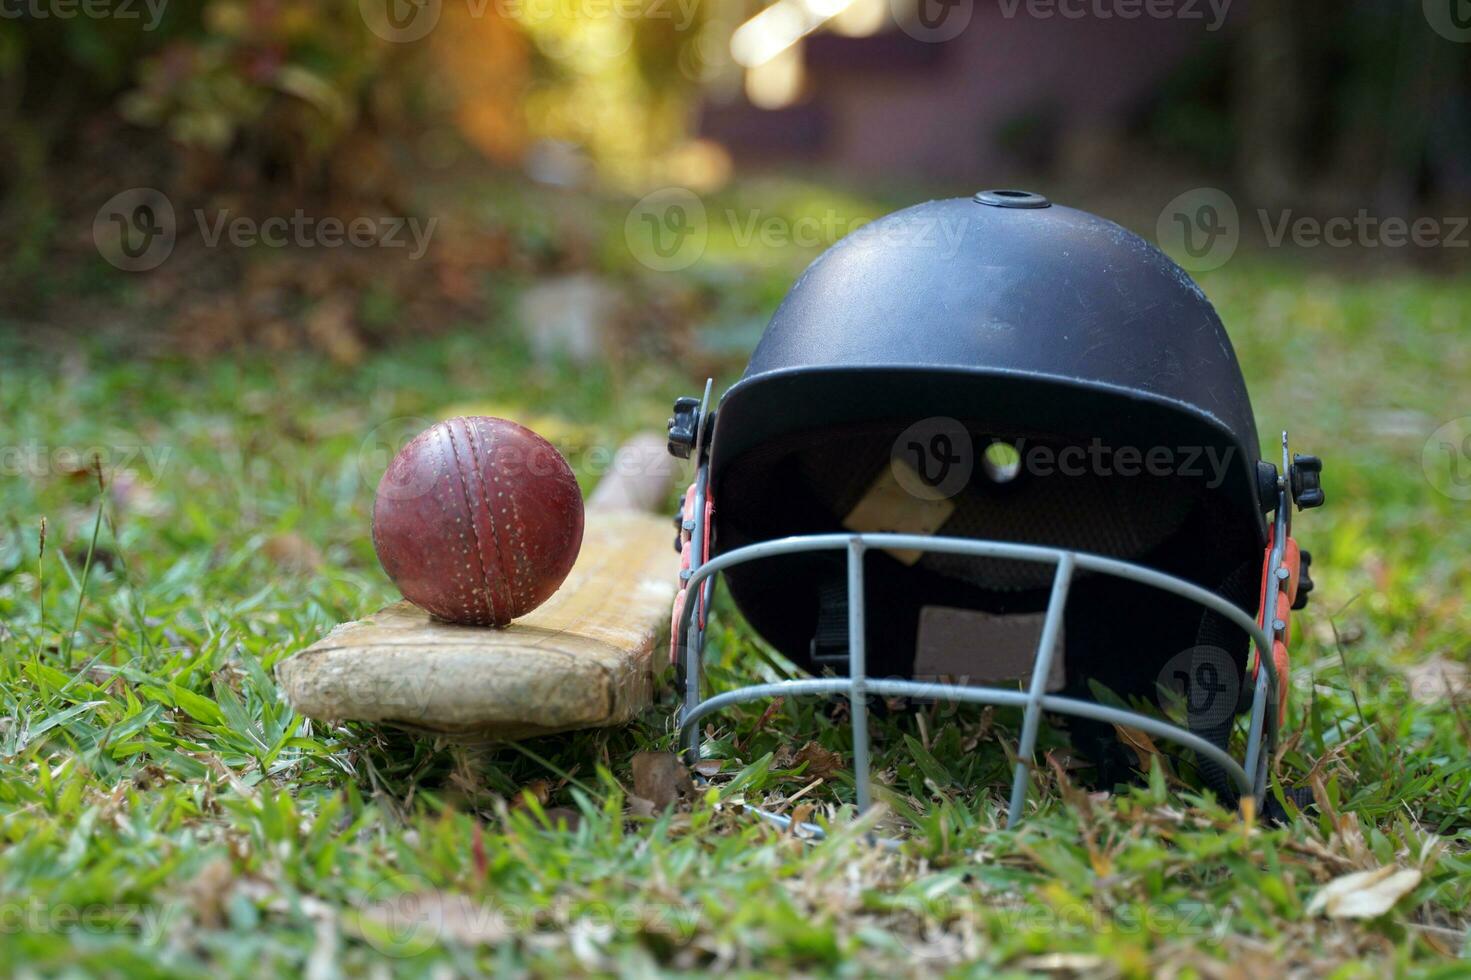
[(1280, 608), (674, 618), (1280, 661), (1284, 614), (686, 515), (1292, 561)]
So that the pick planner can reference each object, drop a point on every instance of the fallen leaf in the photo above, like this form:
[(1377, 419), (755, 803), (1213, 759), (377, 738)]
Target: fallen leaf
[(1139, 742), (538, 789), (708, 767), (821, 762), (661, 778), (293, 553), (1071, 794), (1364, 894), (209, 890)]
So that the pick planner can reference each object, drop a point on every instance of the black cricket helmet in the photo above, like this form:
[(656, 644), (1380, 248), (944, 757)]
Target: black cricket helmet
[(1003, 368)]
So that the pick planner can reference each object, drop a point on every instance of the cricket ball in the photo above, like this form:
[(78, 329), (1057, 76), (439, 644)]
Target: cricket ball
[(477, 520)]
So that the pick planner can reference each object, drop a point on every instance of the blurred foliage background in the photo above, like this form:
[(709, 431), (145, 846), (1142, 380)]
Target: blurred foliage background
[(528, 126)]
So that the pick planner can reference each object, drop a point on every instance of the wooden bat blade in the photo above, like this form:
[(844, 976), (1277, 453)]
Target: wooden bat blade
[(583, 659)]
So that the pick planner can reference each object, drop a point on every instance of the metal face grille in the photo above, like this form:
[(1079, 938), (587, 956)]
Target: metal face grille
[(1250, 777)]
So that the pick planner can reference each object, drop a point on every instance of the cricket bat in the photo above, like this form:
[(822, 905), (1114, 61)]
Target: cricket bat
[(583, 659)]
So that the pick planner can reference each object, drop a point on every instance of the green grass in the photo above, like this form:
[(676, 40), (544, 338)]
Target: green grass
[(163, 812)]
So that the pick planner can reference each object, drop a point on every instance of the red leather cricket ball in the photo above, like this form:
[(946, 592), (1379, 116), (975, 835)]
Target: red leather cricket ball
[(477, 520)]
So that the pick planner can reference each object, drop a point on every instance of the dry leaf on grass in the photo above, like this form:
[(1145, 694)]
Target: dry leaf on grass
[(539, 790), (209, 890), (800, 816), (291, 552), (661, 779), (821, 763), (1138, 741), (1364, 894)]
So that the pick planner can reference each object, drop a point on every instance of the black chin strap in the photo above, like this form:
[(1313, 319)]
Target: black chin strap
[(830, 639)]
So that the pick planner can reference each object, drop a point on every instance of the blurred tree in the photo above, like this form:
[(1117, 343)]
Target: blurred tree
[(1328, 106), (276, 93)]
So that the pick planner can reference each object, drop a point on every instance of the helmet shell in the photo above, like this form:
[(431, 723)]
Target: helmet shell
[(1030, 324)]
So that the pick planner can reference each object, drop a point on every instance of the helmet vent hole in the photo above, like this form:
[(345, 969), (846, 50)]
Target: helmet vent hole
[(1011, 198), (1001, 462)]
